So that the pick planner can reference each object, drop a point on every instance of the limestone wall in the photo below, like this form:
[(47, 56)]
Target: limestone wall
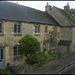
[(9, 40)]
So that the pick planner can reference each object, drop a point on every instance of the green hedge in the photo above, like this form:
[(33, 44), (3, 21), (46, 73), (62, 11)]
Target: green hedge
[(40, 57)]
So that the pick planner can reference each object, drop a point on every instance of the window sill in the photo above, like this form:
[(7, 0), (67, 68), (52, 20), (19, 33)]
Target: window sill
[(37, 34), (18, 34), (54, 48), (1, 34), (17, 57), (46, 33)]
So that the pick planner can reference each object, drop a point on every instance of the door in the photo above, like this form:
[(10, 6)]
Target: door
[(2, 58)]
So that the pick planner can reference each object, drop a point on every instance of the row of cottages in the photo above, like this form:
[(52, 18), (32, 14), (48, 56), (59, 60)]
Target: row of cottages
[(15, 22)]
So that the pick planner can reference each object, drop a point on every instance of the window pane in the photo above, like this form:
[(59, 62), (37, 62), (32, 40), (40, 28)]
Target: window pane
[(15, 28), (46, 29), (35, 29), (54, 44), (38, 29), (0, 27), (15, 50), (19, 28), (55, 28)]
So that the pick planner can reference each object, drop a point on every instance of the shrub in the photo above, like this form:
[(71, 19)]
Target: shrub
[(29, 45), (55, 53), (40, 57), (2, 71)]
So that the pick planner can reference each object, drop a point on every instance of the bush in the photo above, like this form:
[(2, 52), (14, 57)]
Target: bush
[(2, 71), (40, 57), (55, 53), (29, 45)]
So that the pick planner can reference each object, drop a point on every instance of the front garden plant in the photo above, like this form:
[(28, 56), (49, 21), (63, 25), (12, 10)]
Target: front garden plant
[(28, 46)]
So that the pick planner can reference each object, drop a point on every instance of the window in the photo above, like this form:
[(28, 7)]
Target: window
[(1, 27), (46, 29), (16, 53), (55, 28), (54, 44), (17, 28), (37, 29), (46, 47)]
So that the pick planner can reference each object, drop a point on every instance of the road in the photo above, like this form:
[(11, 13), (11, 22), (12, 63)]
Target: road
[(68, 70)]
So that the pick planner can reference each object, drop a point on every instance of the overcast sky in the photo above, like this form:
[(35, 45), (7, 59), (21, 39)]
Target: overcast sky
[(41, 4)]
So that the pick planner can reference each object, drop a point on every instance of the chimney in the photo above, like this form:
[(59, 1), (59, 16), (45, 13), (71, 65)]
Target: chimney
[(47, 7), (67, 7)]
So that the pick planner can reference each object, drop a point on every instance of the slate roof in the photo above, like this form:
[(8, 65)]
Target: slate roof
[(13, 11), (64, 42), (67, 15)]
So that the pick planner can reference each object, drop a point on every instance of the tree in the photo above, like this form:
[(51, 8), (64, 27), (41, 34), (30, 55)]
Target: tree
[(28, 45)]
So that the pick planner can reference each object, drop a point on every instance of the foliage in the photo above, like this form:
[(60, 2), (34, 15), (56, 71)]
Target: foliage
[(38, 57), (53, 35), (28, 45), (2, 71), (55, 53), (41, 57)]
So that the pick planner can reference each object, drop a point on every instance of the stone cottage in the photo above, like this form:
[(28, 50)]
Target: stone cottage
[(67, 26), (15, 22)]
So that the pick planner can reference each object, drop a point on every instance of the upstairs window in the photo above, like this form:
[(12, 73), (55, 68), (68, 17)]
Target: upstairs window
[(46, 29), (17, 28), (16, 53), (1, 27), (55, 28), (37, 29)]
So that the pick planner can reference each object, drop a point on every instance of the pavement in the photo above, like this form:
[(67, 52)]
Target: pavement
[(53, 67)]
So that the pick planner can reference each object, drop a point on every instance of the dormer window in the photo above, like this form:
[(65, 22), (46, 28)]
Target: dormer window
[(17, 28), (1, 27)]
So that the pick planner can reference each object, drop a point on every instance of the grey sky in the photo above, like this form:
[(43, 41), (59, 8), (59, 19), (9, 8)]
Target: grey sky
[(41, 4)]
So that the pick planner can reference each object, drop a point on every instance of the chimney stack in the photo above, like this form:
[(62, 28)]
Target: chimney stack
[(47, 7)]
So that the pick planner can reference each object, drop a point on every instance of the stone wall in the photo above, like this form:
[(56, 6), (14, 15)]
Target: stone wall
[(66, 32), (9, 40)]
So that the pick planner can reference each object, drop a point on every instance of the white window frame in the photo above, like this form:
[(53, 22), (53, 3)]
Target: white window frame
[(17, 52), (37, 28), (17, 28)]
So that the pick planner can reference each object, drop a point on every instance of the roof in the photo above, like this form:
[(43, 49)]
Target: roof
[(13, 11), (67, 16), (64, 42)]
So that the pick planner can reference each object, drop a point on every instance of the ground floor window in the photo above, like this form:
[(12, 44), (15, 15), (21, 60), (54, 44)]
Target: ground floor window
[(46, 47), (16, 53), (54, 45)]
